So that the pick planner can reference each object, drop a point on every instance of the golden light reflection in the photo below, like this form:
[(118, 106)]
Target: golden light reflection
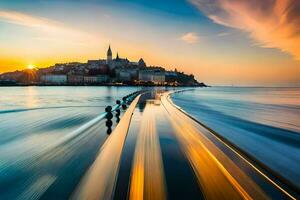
[(99, 182), (31, 100), (147, 177), (216, 182)]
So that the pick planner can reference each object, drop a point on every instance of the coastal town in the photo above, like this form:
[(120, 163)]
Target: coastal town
[(109, 71)]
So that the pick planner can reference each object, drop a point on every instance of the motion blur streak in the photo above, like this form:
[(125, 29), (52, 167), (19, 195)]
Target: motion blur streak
[(36, 190), (205, 162), (263, 122), (99, 181), (147, 179), (241, 156)]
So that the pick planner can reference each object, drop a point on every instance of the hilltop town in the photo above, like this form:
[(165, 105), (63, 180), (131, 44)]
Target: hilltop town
[(109, 71)]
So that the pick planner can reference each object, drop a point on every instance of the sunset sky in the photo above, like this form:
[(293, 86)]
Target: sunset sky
[(222, 42)]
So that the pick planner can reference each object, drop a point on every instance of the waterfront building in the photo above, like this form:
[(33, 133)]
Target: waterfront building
[(102, 78), (104, 69), (149, 75), (133, 72), (124, 75), (145, 76), (127, 73), (159, 77), (75, 79), (90, 79), (54, 79)]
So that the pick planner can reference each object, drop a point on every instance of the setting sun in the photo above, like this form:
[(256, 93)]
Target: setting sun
[(30, 67)]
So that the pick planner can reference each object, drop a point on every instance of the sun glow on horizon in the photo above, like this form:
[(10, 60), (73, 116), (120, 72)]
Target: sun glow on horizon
[(31, 67)]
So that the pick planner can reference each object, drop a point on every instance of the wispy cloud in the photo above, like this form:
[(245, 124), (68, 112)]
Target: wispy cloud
[(190, 38), (223, 34), (30, 21), (271, 23), (51, 29)]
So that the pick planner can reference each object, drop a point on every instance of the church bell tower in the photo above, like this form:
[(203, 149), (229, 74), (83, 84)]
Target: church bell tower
[(109, 55)]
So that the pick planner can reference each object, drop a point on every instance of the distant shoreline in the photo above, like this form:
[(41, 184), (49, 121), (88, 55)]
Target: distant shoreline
[(99, 85)]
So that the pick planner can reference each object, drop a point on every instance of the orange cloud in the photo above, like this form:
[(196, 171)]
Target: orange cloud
[(271, 23), (190, 38)]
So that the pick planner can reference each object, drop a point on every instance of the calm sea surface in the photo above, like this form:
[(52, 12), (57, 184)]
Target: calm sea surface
[(47, 140), (264, 122)]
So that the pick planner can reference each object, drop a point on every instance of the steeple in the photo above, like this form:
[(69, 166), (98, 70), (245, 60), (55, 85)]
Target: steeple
[(117, 58), (109, 55)]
